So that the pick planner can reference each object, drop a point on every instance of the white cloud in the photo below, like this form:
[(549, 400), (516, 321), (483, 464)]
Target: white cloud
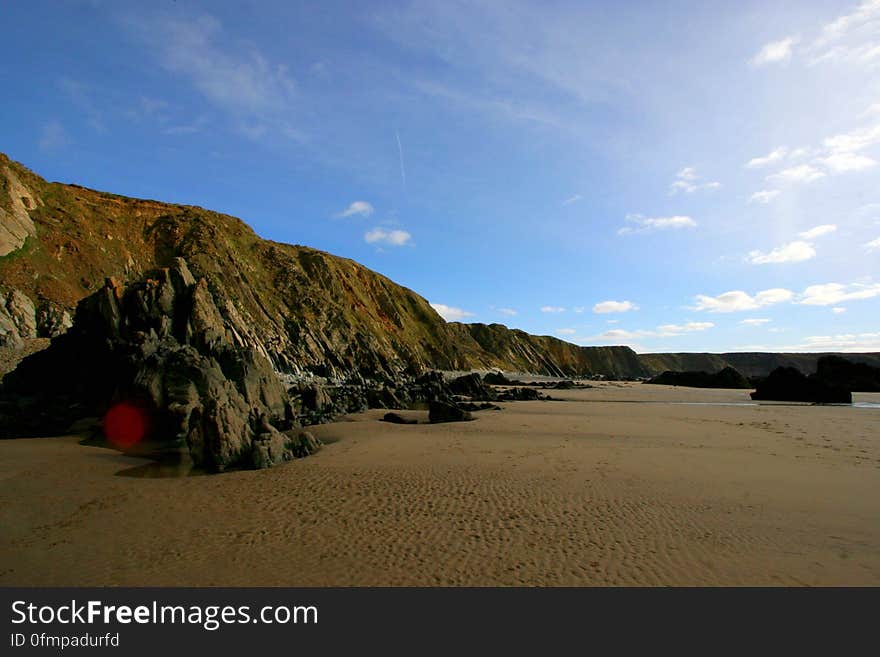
[(846, 162), (572, 199), (662, 331), (578, 309), (832, 294), (387, 237), (614, 307), (838, 310), (849, 342), (623, 334), (764, 196), (686, 181), (775, 51), (792, 252), (552, 309), (450, 313), (669, 330), (773, 156), (871, 111), (850, 37), (650, 224), (362, 208), (873, 245), (566, 331), (737, 300), (803, 173), (818, 231), (856, 140), (755, 322), (510, 312)]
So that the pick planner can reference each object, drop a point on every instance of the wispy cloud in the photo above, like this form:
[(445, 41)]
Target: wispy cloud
[(764, 196), (792, 252), (642, 224), (450, 313), (572, 199), (552, 309), (873, 245), (356, 208), (737, 300), (755, 321), (566, 331), (510, 312), (818, 231), (53, 137), (832, 294), (775, 52), (604, 307), (803, 173), (662, 331), (772, 157), (688, 181), (235, 77), (387, 237), (838, 310), (400, 153)]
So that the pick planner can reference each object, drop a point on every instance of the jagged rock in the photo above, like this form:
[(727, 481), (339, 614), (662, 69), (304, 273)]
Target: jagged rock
[(440, 411), (726, 378), (163, 345), (497, 379), (21, 309), (519, 394), (430, 386), (386, 397), (843, 373), (9, 336), (789, 384), (52, 320), (16, 225), (471, 385), (397, 418)]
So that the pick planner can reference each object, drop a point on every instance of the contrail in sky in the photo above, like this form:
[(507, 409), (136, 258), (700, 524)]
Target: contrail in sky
[(400, 151)]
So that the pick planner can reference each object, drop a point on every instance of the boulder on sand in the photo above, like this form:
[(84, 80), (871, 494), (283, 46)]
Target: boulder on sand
[(397, 418), (439, 411)]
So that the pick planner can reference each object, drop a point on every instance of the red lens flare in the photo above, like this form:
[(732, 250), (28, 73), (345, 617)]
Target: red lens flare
[(125, 425)]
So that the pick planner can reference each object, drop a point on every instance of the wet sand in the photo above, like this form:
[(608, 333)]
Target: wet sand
[(595, 490)]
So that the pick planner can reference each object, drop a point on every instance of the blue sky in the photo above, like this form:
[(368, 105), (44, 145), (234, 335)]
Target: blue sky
[(675, 176)]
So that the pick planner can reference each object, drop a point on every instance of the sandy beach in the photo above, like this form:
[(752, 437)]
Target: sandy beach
[(615, 485)]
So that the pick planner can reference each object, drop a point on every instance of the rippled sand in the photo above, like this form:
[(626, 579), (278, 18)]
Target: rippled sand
[(595, 490)]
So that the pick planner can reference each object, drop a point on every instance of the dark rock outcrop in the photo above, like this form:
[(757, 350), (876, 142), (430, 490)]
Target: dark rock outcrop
[(789, 384), (726, 378), (440, 411), (166, 347), (519, 394), (473, 386), (843, 373), (497, 379)]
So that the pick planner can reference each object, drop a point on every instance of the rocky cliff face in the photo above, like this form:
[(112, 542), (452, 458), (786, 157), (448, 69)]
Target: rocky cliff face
[(543, 354), (302, 309)]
